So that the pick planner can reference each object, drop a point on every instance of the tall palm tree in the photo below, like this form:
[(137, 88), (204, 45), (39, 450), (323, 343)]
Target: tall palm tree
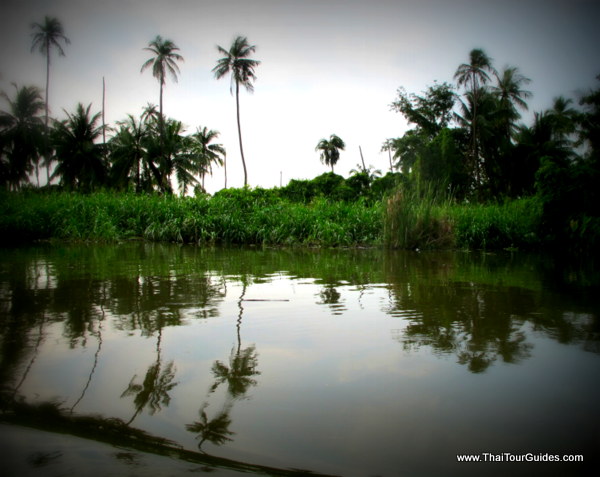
[(237, 62), (479, 115), (163, 62), (80, 160), (46, 36), (474, 76), (330, 150), (21, 129)]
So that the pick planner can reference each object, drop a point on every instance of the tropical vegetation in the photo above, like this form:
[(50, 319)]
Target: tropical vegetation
[(467, 150)]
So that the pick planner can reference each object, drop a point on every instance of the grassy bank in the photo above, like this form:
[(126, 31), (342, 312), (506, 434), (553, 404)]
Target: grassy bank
[(425, 221), (261, 217), (235, 216)]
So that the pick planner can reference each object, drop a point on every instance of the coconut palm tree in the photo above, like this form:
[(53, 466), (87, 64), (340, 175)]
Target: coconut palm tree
[(21, 129), (474, 76), (563, 117), (205, 153), (46, 36), (80, 160), (237, 63), (511, 96), (127, 154), (163, 62), (330, 150)]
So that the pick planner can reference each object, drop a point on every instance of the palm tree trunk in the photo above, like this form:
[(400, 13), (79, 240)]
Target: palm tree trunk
[(237, 103), (225, 167), (46, 118), (161, 124)]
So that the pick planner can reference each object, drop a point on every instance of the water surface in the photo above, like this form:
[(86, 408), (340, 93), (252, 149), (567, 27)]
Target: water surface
[(338, 362)]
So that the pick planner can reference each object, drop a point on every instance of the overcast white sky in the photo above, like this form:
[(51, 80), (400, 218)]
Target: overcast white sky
[(329, 66)]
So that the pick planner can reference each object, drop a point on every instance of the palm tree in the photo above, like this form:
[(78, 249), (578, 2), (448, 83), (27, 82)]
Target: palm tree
[(205, 153), (163, 61), (479, 115), (80, 160), (474, 75), (330, 150), (563, 118), (511, 96), (46, 36), (127, 153), (22, 134), (237, 62)]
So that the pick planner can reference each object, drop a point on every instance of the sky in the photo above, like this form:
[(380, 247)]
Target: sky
[(327, 67)]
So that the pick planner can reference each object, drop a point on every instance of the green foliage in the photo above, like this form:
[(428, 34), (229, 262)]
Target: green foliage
[(235, 216), (430, 112), (299, 191), (417, 220), (515, 224)]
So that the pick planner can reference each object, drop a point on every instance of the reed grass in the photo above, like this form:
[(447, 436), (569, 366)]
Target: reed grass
[(418, 219)]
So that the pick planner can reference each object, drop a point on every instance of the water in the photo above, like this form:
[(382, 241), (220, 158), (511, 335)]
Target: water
[(338, 362)]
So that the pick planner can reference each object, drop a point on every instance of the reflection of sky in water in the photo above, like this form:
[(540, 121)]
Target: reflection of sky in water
[(351, 377)]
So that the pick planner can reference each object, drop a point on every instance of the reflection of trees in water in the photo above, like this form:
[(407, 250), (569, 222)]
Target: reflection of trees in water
[(480, 307), (332, 298), (476, 323), (154, 390), (238, 374)]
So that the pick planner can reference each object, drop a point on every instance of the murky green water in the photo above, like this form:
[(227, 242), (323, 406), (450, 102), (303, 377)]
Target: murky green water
[(344, 362)]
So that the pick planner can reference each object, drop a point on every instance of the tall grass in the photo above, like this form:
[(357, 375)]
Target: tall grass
[(514, 224), (418, 219), (425, 220), (406, 220), (235, 217)]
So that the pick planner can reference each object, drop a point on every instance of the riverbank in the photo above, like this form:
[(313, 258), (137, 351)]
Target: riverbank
[(239, 216)]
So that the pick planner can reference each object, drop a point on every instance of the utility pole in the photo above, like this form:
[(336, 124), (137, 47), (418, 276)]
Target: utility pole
[(103, 102)]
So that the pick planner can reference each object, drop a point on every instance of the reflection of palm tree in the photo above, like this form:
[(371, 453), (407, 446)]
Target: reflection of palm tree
[(93, 367), (155, 388), (330, 295), (238, 376), (332, 298), (33, 358), (97, 354), (216, 430)]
